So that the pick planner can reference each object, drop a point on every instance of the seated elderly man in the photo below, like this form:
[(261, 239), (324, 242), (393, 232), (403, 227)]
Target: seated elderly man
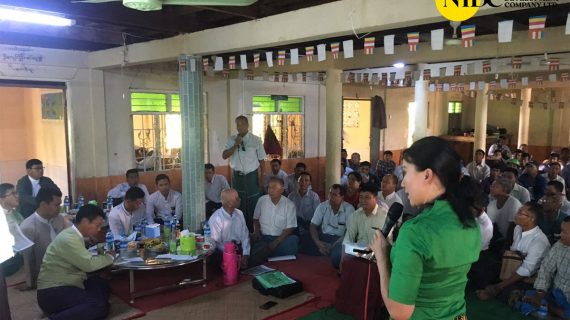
[(41, 227), (552, 281), (306, 201), (503, 208), (213, 186), (123, 217), (118, 192), (328, 226), (519, 192), (551, 202), (274, 221), (164, 203), (65, 291), (387, 195), (529, 240), (227, 224)]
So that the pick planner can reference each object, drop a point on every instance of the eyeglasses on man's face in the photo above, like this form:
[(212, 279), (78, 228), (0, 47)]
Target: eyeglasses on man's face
[(37, 168), (13, 193)]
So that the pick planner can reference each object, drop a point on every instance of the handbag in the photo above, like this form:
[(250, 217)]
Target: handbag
[(512, 260)]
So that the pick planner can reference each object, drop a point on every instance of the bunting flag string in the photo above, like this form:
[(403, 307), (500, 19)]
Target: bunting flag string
[(365, 78), (512, 84), (384, 81), (309, 53), (492, 85), (539, 80), (516, 62), (413, 40), (553, 64), (369, 44), (564, 76), (351, 77), (439, 87), (453, 87), (335, 48), (457, 70), (427, 74), (256, 58), (226, 73), (486, 66), (232, 62), (536, 26), (468, 35), (281, 57), (205, 62)]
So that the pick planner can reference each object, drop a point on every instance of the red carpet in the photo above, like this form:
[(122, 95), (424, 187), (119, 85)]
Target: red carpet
[(316, 273)]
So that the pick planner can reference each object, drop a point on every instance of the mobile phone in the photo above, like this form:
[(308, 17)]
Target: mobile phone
[(268, 305)]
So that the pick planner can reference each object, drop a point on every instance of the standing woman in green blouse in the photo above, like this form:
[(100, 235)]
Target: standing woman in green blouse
[(425, 273)]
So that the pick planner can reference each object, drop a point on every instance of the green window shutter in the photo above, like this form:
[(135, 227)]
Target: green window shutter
[(263, 104), (175, 100), (291, 105), (148, 102)]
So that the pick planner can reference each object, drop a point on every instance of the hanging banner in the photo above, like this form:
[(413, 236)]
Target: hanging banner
[(309, 53), (256, 60), (205, 62), (512, 84), (539, 80), (281, 57), (516, 62), (389, 44), (413, 40), (294, 56), (553, 64), (486, 66), (536, 27), (564, 76), (427, 74), (457, 70), (369, 44), (468, 35), (232, 62), (335, 48)]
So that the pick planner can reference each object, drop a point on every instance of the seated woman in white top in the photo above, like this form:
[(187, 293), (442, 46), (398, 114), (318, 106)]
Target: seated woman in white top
[(531, 242)]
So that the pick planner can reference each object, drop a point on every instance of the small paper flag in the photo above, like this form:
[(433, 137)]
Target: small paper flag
[(321, 52), (512, 84), (294, 56), (365, 78), (335, 48), (205, 62), (369, 44), (285, 77), (309, 53), (539, 80), (269, 58), (457, 70), (304, 76), (256, 60), (427, 74), (492, 85), (243, 61), (486, 66), (347, 49), (468, 35), (505, 31), (232, 62), (249, 75), (516, 62), (389, 44), (276, 77), (226, 72), (281, 57), (413, 40), (564, 76), (554, 64), (536, 27)]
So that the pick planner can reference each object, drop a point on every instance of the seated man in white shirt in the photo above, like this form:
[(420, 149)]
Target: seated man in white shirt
[(519, 192), (503, 208), (275, 172), (531, 243), (164, 203), (118, 192), (228, 224), (328, 226), (124, 216), (478, 169), (306, 201), (274, 221), (387, 195), (213, 184), (41, 228)]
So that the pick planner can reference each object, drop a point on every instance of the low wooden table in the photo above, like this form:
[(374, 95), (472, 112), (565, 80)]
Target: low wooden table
[(156, 264)]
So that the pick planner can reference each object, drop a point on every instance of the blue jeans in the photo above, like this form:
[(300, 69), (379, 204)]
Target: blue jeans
[(556, 297), (289, 246), (309, 247)]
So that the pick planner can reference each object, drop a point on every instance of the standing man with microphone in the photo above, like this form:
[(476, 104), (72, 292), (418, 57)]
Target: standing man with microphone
[(246, 154), (425, 273)]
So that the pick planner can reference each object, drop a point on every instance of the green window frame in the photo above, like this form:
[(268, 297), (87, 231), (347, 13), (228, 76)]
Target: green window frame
[(454, 107)]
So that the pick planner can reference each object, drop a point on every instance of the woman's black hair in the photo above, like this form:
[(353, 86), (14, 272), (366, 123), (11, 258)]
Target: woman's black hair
[(438, 155), (356, 175)]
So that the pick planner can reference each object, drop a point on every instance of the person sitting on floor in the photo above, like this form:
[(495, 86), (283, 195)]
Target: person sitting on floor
[(368, 177), (119, 191), (385, 165), (291, 183), (551, 222), (213, 186), (495, 172), (535, 183), (353, 189), (164, 202), (354, 162), (387, 195), (553, 187), (478, 169), (65, 291), (552, 281), (503, 207), (519, 192), (29, 185), (306, 201), (124, 216), (553, 174), (274, 221), (9, 202), (228, 224), (275, 172), (531, 242), (328, 226), (500, 145), (41, 228)]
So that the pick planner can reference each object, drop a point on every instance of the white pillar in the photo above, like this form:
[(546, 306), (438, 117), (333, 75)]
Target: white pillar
[(420, 110), (481, 104), (334, 126), (524, 117)]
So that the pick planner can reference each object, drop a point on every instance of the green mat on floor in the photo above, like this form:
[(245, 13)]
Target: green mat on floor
[(476, 310)]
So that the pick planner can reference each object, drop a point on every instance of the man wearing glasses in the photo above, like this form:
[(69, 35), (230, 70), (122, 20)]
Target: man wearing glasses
[(331, 216), (29, 185), (550, 223)]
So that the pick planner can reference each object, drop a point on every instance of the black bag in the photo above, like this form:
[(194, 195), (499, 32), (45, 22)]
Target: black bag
[(279, 292)]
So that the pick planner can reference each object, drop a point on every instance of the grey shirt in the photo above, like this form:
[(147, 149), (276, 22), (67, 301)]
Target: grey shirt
[(214, 188)]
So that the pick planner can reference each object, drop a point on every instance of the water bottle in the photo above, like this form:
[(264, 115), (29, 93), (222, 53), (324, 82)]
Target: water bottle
[(66, 204), (138, 231), (123, 245), (110, 240), (542, 312), (166, 230), (143, 229), (207, 233), (81, 202), (172, 243)]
